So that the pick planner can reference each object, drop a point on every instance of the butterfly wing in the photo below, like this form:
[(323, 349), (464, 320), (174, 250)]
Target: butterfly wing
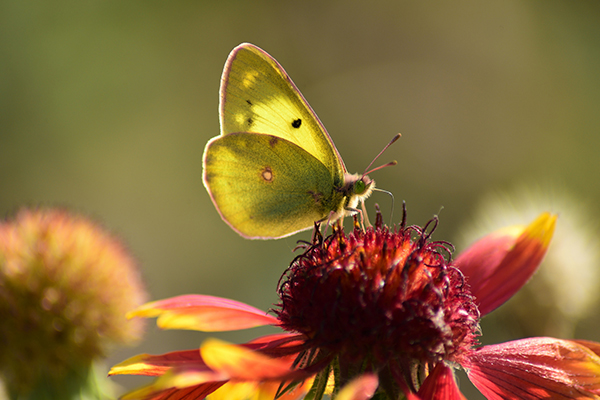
[(266, 187), (258, 96)]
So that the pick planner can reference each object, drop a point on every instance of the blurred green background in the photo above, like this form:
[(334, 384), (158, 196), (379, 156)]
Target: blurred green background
[(105, 107)]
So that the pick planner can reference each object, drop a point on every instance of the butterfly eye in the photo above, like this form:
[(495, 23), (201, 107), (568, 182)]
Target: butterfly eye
[(359, 187)]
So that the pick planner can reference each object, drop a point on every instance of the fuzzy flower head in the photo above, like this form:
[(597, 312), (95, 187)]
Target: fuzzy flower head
[(375, 314), (65, 285)]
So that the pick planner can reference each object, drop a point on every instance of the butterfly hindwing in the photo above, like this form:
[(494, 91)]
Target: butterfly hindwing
[(277, 194)]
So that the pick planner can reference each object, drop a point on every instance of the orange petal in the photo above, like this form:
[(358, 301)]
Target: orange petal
[(242, 364), (361, 388), (440, 385), (203, 313), (499, 264), (535, 368)]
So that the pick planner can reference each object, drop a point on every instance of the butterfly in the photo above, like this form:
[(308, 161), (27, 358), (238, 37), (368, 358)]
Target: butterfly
[(274, 170)]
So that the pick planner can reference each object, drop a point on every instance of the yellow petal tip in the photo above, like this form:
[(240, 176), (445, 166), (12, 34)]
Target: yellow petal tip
[(542, 228)]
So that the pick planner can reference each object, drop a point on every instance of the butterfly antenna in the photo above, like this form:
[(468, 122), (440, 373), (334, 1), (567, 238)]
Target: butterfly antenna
[(368, 171), (392, 208)]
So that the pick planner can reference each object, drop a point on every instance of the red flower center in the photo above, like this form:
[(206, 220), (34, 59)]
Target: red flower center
[(380, 295)]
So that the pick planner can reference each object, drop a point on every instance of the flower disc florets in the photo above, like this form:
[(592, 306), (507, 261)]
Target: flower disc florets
[(380, 295)]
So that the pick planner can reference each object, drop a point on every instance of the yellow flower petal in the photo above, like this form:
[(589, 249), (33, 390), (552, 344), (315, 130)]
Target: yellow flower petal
[(242, 364)]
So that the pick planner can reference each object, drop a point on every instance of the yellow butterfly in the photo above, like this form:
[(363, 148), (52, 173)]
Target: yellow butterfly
[(273, 171)]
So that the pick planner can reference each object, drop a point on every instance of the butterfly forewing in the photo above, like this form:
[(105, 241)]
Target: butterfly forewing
[(258, 96)]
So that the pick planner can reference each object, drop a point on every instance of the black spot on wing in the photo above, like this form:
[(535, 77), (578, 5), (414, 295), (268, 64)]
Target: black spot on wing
[(249, 102), (296, 123)]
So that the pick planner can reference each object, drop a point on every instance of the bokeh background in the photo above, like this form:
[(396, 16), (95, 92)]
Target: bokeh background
[(106, 106)]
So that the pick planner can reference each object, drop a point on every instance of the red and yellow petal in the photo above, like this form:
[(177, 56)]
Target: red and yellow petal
[(203, 313), (499, 264), (181, 373), (535, 368), (155, 365), (440, 385), (166, 389)]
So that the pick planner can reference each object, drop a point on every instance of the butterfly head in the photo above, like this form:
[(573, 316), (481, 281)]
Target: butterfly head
[(357, 188)]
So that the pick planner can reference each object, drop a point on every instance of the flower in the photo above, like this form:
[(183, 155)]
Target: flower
[(375, 311), (65, 284)]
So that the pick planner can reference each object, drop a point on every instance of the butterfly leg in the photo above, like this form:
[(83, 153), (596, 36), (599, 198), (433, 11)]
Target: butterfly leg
[(364, 216)]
